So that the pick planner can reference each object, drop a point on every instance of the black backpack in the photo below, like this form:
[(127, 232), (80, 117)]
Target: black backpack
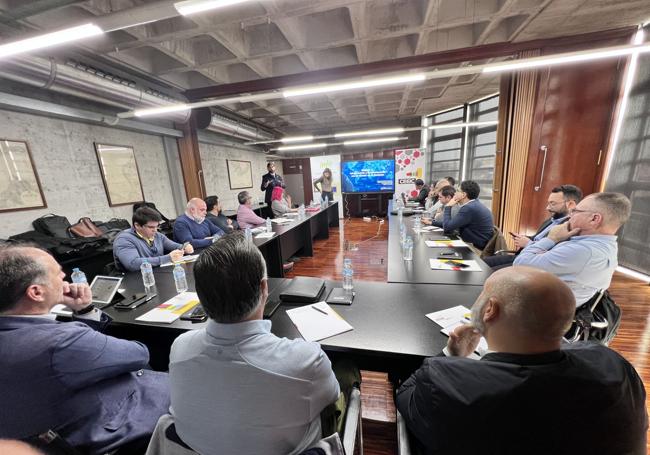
[(52, 225)]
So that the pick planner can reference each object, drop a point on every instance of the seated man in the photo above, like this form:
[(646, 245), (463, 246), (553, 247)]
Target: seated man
[(216, 217), (473, 220), (583, 251), (236, 387), (561, 201), (530, 394), (445, 195), (143, 241), (432, 202), (423, 192), (193, 227), (246, 217), (88, 387)]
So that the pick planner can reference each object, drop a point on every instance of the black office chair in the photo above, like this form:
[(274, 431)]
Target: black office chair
[(597, 320)]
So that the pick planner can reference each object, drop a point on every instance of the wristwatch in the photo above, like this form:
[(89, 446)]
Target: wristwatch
[(86, 310)]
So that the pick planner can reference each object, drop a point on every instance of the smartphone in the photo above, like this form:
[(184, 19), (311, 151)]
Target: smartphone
[(449, 254), (512, 234), (462, 265)]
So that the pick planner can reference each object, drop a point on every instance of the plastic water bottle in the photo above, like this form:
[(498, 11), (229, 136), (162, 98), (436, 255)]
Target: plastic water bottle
[(301, 211), (348, 273), (407, 251), (327, 201), (269, 226), (417, 223), (402, 234), (78, 276), (147, 276), (248, 235), (179, 278)]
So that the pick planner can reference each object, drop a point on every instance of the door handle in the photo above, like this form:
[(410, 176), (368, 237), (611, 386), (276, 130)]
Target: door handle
[(544, 149), (199, 174)]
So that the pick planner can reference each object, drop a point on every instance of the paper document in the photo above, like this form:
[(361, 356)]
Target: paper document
[(281, 220), (318, 321), (61, 310), (459, 265), (432, 229), (172, 309), (445, 243), (265, 235), (184, 260)]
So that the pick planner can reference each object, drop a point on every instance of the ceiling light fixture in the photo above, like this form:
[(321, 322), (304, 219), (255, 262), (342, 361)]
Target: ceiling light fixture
[(371, 141), (290, 139), (50, 39), (369, 132), (196, 6), (570, 57), (161, 110), (328, 88), (463, 125), (302, 147)]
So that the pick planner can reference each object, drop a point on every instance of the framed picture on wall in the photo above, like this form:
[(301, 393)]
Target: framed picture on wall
[(20, 188), (119, 173), (240, 174)]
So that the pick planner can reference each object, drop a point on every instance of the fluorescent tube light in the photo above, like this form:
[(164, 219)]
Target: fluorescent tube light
[(49, 39), (370, 141), (369, 132), (301, 147), (287, 140), (633, 273), (572, 57), (196, 6), (328, 88), (161, 110), (462, 125)]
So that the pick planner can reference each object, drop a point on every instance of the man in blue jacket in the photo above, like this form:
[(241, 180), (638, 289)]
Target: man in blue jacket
[(88, 387), (143, 242), (473, 220), (193, 226)]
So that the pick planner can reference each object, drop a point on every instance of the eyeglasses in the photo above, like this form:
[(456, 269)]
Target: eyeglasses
[(150, 227), (574, 211)]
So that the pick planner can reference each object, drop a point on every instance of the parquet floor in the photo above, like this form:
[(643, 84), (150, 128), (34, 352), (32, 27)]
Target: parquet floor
[(369, 262)]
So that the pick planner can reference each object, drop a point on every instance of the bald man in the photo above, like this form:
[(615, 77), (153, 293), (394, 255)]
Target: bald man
[(530, 394), (193, 226), (583, 251)]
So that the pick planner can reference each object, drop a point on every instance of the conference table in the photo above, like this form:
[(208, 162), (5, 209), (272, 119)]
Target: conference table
[(419, 270), (391, 332)]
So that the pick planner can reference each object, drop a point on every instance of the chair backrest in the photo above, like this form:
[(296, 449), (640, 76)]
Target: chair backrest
[(597, 320), (496, 243)]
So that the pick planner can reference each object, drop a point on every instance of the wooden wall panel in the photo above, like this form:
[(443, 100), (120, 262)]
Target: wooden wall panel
[(190, 157)]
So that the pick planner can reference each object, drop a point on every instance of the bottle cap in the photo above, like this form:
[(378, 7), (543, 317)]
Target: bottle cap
[(76, 269)]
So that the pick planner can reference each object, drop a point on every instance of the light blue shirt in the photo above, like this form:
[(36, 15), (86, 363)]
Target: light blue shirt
[(585, 263), (239, 389), (544, 232)]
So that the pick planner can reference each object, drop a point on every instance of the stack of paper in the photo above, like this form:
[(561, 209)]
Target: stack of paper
[(442, 243), (318, 321), (172, 309), (432, 229), (265, 235), (459, 265), (454, 317), (281, 220)]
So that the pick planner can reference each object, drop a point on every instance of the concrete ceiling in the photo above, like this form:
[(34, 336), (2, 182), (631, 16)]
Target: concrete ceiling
[(268, 38)]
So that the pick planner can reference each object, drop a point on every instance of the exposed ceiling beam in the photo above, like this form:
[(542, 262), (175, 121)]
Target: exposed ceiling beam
[(465, 54)]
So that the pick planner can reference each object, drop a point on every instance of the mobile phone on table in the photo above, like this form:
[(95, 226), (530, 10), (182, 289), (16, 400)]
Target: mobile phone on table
[(449, 254), (461, 265)]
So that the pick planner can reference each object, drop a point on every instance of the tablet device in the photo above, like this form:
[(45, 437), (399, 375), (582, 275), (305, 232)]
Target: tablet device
[(104, 289), (339, 296)]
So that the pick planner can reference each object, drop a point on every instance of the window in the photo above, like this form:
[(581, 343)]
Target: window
[(466, 153)]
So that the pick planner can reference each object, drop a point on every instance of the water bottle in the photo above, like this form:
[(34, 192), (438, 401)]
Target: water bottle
[(269, 225), (248, 235), (417, 223), (348, 272), (179, 278), (147, 277), (402, 234), (78, 276), (407, 251), (301, 211), (327, 201)]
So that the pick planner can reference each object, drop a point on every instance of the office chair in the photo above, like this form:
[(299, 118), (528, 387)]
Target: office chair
[(496, 244), (598, 320), (165, 440)]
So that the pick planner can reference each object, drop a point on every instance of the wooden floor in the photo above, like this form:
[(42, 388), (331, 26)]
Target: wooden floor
[(366, 244)]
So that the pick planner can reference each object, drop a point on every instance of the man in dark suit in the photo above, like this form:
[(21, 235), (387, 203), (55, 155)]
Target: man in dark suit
[(88, 387), (561, 201), (530, 394), (473, 221), (423, 192), (269, 181)]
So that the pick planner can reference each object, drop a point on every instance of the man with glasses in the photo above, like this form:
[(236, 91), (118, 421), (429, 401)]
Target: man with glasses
[(561, 201), (143, 241), (583, 251)]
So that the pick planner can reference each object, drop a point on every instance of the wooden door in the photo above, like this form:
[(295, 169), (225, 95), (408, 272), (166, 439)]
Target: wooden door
[(571, 124)]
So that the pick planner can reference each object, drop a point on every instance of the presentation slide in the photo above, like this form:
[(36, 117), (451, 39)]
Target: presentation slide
[(375, 176)]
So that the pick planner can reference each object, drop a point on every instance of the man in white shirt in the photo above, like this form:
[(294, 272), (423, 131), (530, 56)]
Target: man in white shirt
[(236, 387)]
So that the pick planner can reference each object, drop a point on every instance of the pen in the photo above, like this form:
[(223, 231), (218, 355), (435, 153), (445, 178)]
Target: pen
[(320, 311)]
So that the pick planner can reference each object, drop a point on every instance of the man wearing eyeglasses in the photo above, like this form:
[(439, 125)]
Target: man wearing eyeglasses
[(583, 251), (143, 241), (561, 201)]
